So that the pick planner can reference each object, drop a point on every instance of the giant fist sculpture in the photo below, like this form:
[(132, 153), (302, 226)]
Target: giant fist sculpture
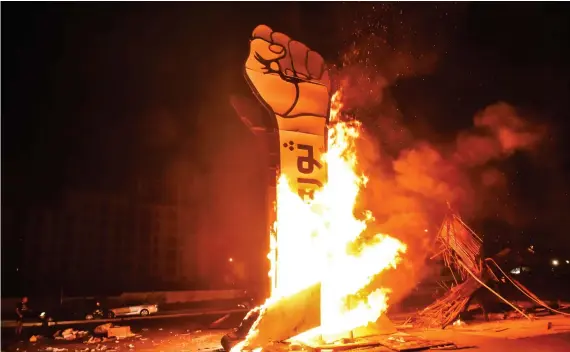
[(292, 82)]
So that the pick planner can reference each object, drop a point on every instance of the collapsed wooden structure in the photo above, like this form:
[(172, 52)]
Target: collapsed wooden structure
[(461, 250)]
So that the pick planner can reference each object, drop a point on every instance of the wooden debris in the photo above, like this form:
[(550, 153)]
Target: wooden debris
[(461, 252), (444, 311), (288, 317), (396, 342), (405, 343)]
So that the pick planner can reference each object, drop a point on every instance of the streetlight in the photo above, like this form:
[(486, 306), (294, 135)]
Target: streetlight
[(555, 262)]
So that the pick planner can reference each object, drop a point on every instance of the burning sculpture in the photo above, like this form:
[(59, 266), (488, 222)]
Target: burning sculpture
[(320, 272), (323, 258)]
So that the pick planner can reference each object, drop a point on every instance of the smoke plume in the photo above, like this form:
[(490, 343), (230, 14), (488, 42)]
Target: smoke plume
[(412, 181)]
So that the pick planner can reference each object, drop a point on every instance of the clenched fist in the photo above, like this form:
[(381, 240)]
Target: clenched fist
[(287, 76), (292, 82)]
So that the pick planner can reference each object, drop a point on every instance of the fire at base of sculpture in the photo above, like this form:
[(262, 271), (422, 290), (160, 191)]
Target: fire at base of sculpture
[(312, 225), (288, 317)]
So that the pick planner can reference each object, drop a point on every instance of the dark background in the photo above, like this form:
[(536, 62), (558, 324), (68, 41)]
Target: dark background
[(98, 95)]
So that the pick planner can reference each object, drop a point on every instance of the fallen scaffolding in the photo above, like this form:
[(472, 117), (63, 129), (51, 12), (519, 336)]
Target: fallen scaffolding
[(460, 248)]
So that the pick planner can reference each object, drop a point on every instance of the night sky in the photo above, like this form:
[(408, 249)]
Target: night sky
[(96, 95)]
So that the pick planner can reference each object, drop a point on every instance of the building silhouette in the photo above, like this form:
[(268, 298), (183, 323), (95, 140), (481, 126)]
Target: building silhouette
[(94, 242)]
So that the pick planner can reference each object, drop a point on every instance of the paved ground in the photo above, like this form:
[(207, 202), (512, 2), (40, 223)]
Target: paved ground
[(174, 334), (509, 335), (193, 334)]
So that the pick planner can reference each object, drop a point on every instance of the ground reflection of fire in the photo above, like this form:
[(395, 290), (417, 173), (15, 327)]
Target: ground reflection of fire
[(314, 238)]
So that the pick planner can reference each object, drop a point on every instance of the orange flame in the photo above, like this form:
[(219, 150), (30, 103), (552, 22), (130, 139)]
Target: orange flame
[(320, 231)]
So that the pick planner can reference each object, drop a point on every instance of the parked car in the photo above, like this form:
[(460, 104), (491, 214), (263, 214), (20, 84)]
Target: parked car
[(133, 308)]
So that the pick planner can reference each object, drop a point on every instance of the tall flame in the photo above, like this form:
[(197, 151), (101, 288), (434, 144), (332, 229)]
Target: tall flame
[(324, 231)]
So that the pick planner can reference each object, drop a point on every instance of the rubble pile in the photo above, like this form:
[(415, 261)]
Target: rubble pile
[(113, 338), (70, 334)]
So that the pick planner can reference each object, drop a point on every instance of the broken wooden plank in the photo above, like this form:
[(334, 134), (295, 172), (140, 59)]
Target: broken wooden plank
[(407, 343), (397, 342), (346, 346), (288, 317)]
